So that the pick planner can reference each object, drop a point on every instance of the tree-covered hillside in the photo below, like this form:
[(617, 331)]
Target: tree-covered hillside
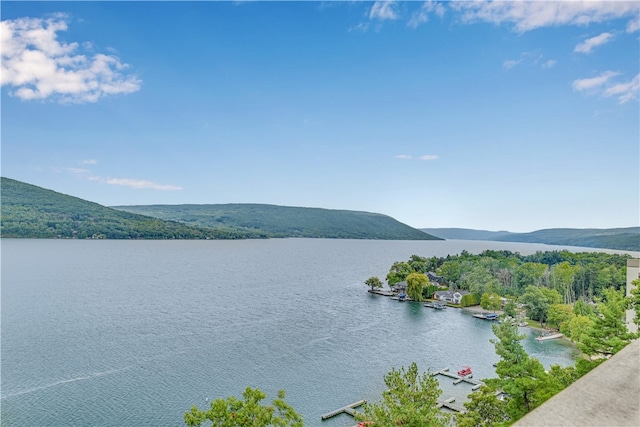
[(286, 221), (613, 238), (610, 238), (29, 211)]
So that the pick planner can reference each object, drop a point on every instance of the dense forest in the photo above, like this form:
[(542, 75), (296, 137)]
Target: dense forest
[(33, 212), (287, 221), (610, 238), (574, 276)]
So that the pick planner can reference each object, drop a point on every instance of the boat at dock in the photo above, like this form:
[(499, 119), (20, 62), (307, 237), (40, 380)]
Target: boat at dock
[(465, 371), (487, 316), (436, 305), (549, 336)]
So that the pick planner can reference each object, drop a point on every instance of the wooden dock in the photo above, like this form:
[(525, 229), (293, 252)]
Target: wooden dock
[(458, 379), (381, 292), (349, 409), (448, 403)]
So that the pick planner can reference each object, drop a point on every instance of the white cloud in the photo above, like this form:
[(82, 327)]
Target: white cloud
[(510, 63), (363, 27), (422, 15), (383, 10), (88, 162), (424, 157), (633, 25), (624, 91), (529, 15), (141, 183), (549, 64), (39, 66), (77, 171), (604, 86), (593, 82), (587, 45)]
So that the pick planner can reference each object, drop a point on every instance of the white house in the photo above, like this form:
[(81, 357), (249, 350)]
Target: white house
[(454, 297)]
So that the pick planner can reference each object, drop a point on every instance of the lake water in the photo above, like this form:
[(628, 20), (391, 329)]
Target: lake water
[(133, 333)]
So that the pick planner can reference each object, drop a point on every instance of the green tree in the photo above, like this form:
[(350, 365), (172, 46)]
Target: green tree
[(398, 272), (451, 270), (373, 282), (578, 327), (522, 378), (484, 409), (511, 308), (562, 276), (538, 301), (469, 300), (491, 302), (560, 315), (232, 412), (609, 333), (529, 274), (581, 308), (410, 400), (415, 283)]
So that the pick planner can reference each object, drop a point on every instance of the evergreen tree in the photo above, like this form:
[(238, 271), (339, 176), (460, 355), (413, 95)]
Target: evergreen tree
[(410, 401), (484, 409), (522, 378), (609, 333), (233, 412)]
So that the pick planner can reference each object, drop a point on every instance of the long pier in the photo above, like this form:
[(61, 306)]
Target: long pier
[(349, 409), (458, 379), (381, 292)]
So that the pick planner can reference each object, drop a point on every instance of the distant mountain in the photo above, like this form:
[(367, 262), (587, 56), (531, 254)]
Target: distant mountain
[(286, 221), (28, 211), (610, 238), (464, 233)]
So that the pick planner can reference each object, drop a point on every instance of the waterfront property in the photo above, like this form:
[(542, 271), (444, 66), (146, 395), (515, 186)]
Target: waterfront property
[(454, 297)]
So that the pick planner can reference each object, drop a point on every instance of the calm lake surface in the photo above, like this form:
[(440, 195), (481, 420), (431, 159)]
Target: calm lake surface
[(133, 333)]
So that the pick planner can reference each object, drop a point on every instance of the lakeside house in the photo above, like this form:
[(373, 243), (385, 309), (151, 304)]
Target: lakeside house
[(399, 288), (435, 279), (454, 297)]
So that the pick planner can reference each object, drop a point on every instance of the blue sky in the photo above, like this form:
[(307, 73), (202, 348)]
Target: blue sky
[(491, 115)]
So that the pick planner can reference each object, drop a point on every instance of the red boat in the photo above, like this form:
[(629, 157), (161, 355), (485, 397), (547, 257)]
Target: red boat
[(465, 371)]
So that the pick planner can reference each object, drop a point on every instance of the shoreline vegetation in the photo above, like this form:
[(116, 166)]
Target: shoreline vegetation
[(580, 295)]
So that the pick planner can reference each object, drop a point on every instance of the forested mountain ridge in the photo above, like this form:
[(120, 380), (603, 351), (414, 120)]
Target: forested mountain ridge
[(609, 238), (287, 221), (28, 211)]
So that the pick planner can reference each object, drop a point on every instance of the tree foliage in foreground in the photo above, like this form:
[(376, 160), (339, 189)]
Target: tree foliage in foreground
[(609, 333), (249, 412), (410, 400), (521, 379)]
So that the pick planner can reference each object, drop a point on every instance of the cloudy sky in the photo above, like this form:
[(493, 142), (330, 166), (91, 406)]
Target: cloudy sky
[(491, 115)]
